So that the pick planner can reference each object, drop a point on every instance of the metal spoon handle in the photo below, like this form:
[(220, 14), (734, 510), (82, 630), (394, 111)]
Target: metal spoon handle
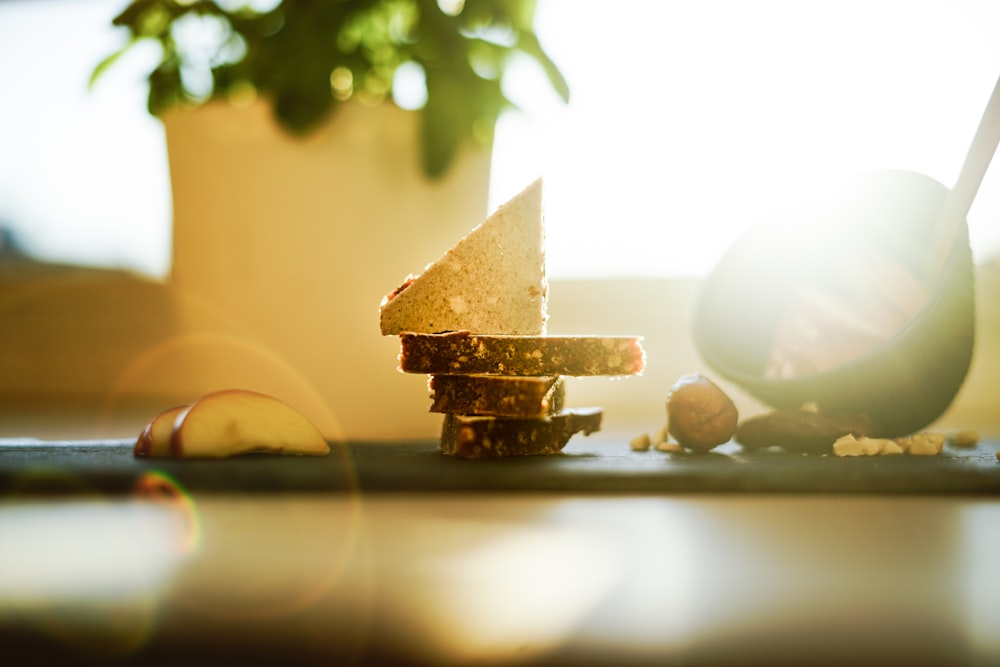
[(960, 197)]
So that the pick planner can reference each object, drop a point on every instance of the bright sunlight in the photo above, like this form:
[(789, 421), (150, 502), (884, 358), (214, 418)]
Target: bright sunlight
[(689, 120)]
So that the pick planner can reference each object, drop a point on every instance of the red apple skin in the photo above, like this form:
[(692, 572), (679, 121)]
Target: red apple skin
[(156, 439)]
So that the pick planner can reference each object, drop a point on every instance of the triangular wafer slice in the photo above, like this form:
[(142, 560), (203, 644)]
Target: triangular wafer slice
[(492, 280)]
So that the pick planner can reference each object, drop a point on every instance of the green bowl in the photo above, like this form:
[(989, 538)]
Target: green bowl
[(903, 383)]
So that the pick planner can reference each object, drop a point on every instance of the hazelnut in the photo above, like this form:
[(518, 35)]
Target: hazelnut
[(699, 414)]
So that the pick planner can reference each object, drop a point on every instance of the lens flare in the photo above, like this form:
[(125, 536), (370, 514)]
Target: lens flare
[(188, 365), (159, 487)]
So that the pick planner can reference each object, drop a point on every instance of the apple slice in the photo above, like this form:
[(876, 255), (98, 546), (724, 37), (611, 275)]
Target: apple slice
[(239, 421), (154, 441)]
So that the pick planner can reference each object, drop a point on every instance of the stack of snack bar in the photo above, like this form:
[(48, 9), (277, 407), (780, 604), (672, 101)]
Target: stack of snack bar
[(474, 322)]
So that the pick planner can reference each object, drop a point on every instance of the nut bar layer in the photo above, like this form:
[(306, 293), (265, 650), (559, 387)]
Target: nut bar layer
[(496, 396), (474, 437), (462, 352)]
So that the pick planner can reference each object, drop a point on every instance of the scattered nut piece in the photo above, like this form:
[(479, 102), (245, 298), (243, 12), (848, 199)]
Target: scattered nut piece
[(661, 435), (811, 407), (699, 414), (640, 443), (666, 446), (848, 445), (998, 455), (926, 444), (870, 446), (889, 447), (964, 438)]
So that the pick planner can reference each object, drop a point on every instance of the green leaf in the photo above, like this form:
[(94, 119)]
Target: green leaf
[(107, 62), (443, 123), (528, 42), (291, 50), (130, 15), (154, 22), (165, 88), (521, 13), (300, 110), (439, 142)]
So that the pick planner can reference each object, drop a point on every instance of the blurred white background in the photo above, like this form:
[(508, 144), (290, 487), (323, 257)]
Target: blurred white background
[(689, 120)]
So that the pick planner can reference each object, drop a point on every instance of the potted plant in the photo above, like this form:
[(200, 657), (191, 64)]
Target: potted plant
[(303, 191), (307, 57)]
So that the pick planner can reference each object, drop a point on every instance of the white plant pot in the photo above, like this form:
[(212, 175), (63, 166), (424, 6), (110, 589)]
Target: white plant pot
[(283, 248)]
